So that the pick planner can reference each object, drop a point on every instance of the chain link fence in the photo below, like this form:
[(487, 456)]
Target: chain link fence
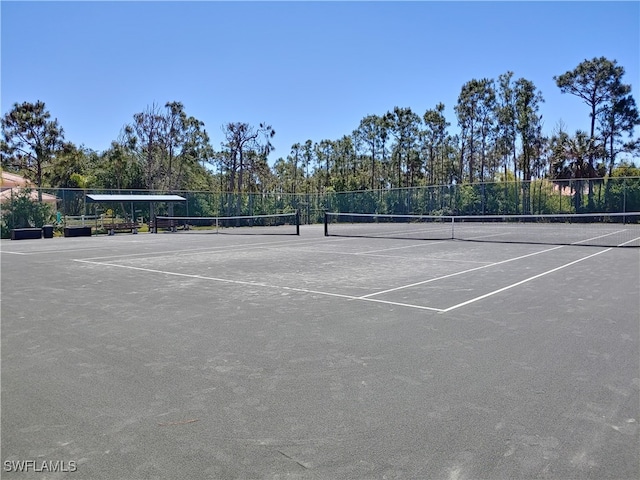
[(610, 195)]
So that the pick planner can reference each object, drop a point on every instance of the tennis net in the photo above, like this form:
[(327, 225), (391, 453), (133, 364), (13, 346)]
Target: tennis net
[(601, 229), (276, 224)]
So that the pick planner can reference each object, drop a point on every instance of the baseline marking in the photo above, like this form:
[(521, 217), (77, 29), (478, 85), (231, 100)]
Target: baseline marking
[(481, 297), (49, 251)]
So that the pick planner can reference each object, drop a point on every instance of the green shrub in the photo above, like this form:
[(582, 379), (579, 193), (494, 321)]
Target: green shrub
[(24, 212)]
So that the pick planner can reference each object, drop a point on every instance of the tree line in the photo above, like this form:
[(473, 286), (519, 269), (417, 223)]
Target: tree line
[(499, 138)]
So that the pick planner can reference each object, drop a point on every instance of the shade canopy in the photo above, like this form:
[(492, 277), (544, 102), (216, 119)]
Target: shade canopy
[(134, 198)]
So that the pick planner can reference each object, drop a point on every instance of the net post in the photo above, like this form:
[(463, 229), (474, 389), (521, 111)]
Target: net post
[(453, 221), (155, 223), (297, 222), (326, 226)]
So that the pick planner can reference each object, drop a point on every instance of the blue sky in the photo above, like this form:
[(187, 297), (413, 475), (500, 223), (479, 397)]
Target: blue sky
[(312, 70)]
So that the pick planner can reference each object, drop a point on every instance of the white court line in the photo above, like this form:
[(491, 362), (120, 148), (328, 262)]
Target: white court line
[(489, 236), (351, 297), (366, 297), (14, 253), (49, 251), (408, 305), (599, 236), (407, 234), (369, 252), (629, 241), (431, 259), (353, 254), (164, 272), (357, 254), (213, 249), (256, 284), (458, 273), (182, 252), (481, 297)]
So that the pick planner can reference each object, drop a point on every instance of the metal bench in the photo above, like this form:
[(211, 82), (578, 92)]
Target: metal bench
[(171, 224), (112, 228)]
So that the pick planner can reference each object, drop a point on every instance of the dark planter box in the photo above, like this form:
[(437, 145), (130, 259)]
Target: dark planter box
[(26, 233), (47, 231), (77, 231)]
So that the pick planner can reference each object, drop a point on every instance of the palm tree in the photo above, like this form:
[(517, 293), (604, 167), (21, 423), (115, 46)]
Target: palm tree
[(571, 160)]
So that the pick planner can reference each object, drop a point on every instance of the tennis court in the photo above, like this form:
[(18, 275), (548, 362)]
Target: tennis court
[(195, 355)]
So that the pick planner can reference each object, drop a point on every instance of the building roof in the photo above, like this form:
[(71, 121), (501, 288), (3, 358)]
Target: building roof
[(8, 194), (12, 184), (14, 180)]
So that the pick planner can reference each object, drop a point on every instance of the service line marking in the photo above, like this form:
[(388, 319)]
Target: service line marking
[(481, 297), (367, 254), (370, 252), (599, 236), (629, 241), (458, 273)]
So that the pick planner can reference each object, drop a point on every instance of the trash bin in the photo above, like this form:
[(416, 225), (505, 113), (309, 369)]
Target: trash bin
[(47, 231)]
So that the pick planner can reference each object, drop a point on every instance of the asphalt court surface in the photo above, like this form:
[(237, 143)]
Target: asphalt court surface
[(429, 275), (189, 355)]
